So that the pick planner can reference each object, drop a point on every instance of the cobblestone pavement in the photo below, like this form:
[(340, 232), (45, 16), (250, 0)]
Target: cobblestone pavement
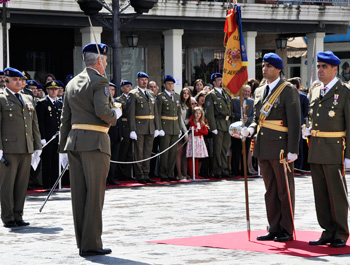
[(133, 216)]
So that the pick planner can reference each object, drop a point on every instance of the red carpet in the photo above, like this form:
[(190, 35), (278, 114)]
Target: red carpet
[(239, 241), (134, 183)]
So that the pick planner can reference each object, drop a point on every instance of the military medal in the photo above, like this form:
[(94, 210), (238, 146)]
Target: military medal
[(49, 108), (331, 113), (29, 106), (335, 102)]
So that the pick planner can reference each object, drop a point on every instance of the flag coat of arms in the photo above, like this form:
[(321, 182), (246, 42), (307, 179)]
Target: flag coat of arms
[(235, 73)]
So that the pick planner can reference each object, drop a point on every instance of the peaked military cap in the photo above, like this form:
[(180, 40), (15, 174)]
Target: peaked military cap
[(52, 84), (142, 74), (328, 57), (215, 75), (92, 47), (169, 78), (60, 83), (125, 82), (273, 59), (32, 83), (12, 72)]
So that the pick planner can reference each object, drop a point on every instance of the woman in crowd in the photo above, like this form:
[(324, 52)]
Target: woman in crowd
[(186, 111), (200, 98), (198, 86)]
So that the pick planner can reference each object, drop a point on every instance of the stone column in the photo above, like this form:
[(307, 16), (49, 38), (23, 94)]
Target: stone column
[(250, 40), (173, 55), (315, 44), (2, 66)]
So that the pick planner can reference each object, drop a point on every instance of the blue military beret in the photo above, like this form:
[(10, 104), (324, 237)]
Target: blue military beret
[(68, 78), (60, 83), (142, 74), (125, 82), (273, 59), (40, 86), (92, 47), (169, 78), (2, 72), (52, 84), (112, 84), (32, 83), (12, 72), (215, 75), (328, 57)]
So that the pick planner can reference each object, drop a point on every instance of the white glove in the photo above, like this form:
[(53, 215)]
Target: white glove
[(156, 133), (305, 131), (37, 153), (215, 132), (118, 112), (133, 135), (179, 134), (346, 162), (247, 131), (291, 157), (161, 133), (43, 142), (64, 159), (1, 153)]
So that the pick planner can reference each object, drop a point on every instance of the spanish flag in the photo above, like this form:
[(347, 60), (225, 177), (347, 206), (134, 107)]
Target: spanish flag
[(235, 73)]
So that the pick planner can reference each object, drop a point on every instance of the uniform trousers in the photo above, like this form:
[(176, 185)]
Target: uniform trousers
[(330, 200), (143, 150), (13, 186), (222, 143), (88, 174), (49, 158), (168, 159), (125, 154), (276, 195)]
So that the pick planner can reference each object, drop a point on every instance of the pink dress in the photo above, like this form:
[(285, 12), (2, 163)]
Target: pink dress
[(200, 149)]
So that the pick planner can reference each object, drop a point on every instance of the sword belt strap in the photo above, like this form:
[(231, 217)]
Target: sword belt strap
[(145, 117), (169, 118), (90, 127), (317, 133), (276, 125)]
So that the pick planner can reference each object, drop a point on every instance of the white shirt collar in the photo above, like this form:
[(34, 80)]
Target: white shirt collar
[(218, 90), (169, 92), (93, 69), (125, 95), (273, 84), (143, 90), (52, 100), (13, 93), (331, 84)]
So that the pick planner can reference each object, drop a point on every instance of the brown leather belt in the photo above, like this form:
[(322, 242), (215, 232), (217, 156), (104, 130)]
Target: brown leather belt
[(169, 118), (145, 117), (317, 133), (90, 127)]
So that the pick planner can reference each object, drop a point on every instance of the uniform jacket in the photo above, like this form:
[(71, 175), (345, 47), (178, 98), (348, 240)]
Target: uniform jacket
[(19, 133), (139, 105), (329, 115), (270, 142), (168, 107), (236, 106), (49, 118), (87, 101), (304, 106), (217, 107), (124, 120)]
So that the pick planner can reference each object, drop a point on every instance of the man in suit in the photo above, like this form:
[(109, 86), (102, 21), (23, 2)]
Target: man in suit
[(277, 122), (87, 114), (236, 144), (330, 116), (169, 111), (143, 121), (125, 153), (19, 138), (218, 113), (49, 115)]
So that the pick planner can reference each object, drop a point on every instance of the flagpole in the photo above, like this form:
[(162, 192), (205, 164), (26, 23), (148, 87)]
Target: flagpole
[(244, 152)]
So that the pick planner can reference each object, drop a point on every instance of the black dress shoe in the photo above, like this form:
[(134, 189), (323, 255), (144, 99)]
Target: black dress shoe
[(338, 243), (217, 176), (142, 181), (228, 176), (319, 242), (268, 236), (164, 179), (22, 223), (101, 251), (10, 224), (173, 179), (113, 182), (283, 237), (150, 181)]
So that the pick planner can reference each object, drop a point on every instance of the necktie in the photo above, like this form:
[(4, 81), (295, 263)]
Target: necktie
[(146, 94), (267, 89), (19, 98), (172, 98)]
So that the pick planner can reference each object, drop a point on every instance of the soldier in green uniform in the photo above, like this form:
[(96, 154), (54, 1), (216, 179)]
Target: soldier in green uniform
[(125, 149), (19, 138), (330, 117), (277, 122), (218, 111), (169, 111), (87, 114), (143, 121)]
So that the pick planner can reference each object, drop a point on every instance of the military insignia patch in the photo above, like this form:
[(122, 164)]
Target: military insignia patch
[(129, 101), (331, 113), (106, 91), (208, 103)]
